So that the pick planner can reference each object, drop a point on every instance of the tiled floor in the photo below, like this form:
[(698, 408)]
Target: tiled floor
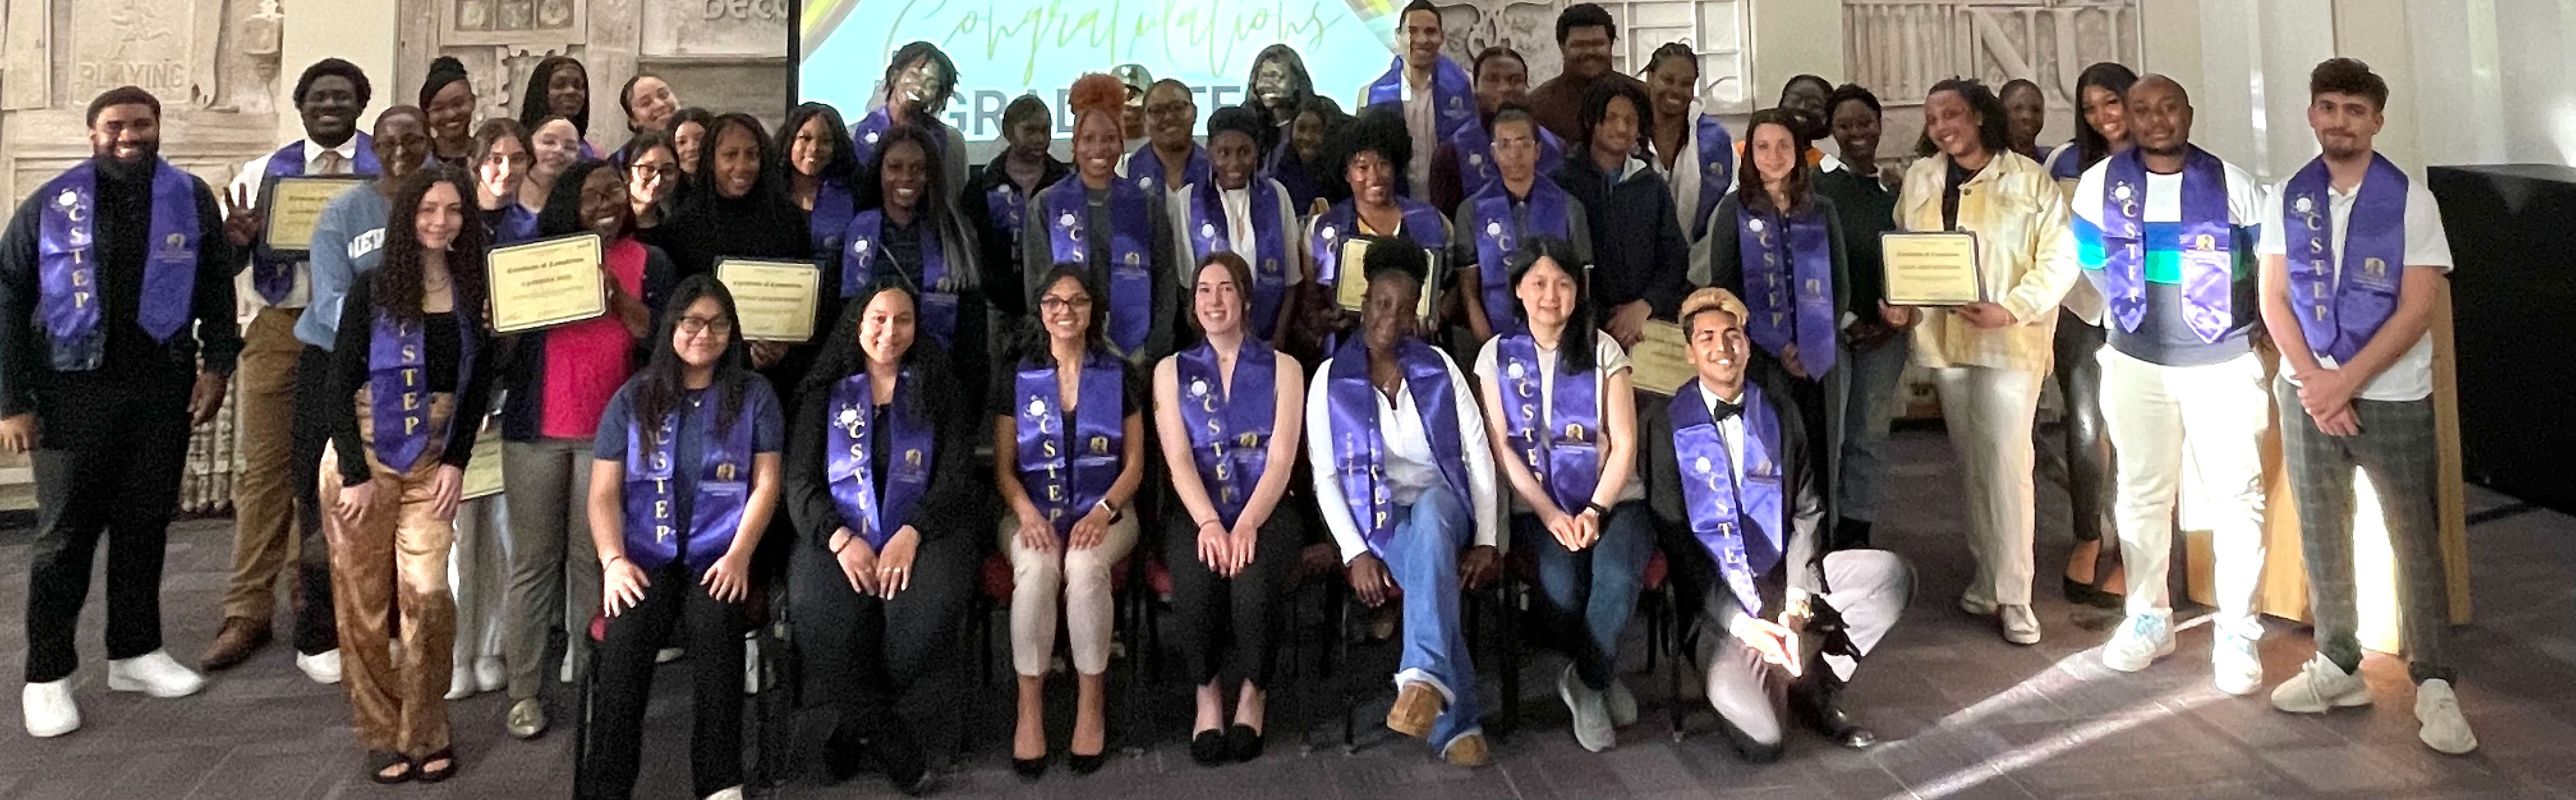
[(1963, 715)]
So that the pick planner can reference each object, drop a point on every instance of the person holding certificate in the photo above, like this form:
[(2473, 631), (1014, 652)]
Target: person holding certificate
[(822, 175), (1069, 456), (1781, 245), (1988, 356), (1370, 153), (1519, 206), (741, 211), (1242, 212), (1231, 408), (684, 477), (558, 380), (1740, 504), (1563, 419), (2093, 566), (888, 505), (1641, 260), (1874, 353), (1405, 476), (908, 229), (2167, 234), (329, 96), (414, 376), (1115, 229)]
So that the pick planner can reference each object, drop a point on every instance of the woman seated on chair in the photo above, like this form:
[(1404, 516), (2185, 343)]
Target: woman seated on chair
[(1069, 457), (1564, 426), (684, 478), (1230, 406), (882, 484), (1406, 481)]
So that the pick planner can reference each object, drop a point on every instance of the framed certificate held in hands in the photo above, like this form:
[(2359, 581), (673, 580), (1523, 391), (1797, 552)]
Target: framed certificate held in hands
[(1932, 269), (546, 282), (483, 474), (1351, 288), (1660, 363), (776, 299), (294, 209)]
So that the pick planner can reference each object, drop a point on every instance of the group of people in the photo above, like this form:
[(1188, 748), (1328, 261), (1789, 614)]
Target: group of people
[(1182, 291)]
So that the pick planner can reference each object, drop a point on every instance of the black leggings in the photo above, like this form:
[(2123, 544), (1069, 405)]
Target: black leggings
[(1212, 611), (625, 674), (2088, 447), (861, 654)]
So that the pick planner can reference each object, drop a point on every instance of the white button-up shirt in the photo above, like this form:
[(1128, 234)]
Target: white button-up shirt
[(1411, 468), (255, 172)]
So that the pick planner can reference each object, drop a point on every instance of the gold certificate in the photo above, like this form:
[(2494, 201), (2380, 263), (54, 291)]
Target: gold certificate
[(1931, 269), (546, 282), (294, 207), (776, 299), (1661, 360), (1350, 288), (483, 474)]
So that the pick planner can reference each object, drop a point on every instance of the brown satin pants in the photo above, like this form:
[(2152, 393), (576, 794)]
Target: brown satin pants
[(393, 561)]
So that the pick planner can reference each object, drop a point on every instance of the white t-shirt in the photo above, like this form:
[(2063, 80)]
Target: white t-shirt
[(1608, 359), (2410, 377)]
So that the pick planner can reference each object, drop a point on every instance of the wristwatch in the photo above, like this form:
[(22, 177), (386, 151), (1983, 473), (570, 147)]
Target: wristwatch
[(1114, 514)]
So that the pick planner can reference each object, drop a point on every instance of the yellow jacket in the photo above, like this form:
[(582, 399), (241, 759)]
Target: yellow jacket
[(2024, 252)]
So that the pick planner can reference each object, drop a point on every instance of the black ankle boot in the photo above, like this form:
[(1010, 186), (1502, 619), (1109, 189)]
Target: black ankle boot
[(1815, 701)]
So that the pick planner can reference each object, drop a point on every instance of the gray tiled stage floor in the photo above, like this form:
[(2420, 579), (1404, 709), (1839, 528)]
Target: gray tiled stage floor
[(1964, 715)]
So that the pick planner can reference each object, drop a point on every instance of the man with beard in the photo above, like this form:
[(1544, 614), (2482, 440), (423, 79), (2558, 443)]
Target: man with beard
[(330, 96), (1464, 164), (1434, 92), (2356, 391), (1585, 35), (111, 276), (2166, 231)]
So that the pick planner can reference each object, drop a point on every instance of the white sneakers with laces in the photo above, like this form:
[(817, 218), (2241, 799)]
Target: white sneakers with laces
[(2139, 642), (2319, 687), (2235, 663), (154, 673), (2444, 729)]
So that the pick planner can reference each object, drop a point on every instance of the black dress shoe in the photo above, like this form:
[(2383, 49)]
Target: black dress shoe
[(1084, 765), (2084, 594), (1208, 747), (1030, 769), (1242, 742)]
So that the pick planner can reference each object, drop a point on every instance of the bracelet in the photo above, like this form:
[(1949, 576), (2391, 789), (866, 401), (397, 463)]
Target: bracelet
[(612, 561), (1220, 526), (836, 549), (1596, 508)]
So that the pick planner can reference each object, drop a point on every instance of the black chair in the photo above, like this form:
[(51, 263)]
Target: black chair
[(769, 631)]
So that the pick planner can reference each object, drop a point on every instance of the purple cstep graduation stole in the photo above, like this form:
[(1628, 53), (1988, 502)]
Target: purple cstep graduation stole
[(876, 506), (67, 301), (1359, 446), (1229, 428), (1717, 168), (1068, 472), (654, 536), (1742, 524), (1452, 93), (273, 276), (1422, 224), (829, 222), (398, 393), (2340, 309), (1558, 437), (1212, 231), (1130, 273), (938, 290), (1145, 169), (1476, 169), (2204, 243), (1791, 302), (1497, 235)]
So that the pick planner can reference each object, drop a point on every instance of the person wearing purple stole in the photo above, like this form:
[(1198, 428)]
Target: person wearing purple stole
[(1368, 154), (117, 294), (1405, 477), (1691, 146), (918, 84), (1464, 164), (1780, 245), (1433, 96), (1742, 520), (1563, 418), (996, 202), (1521, 205), (2353, 258), (1231, 408), (684, 479), (1169, 162), (1111, 227), (1641, 260), (1240, 211), (822, 176), (908, 229), (329, 96), (889, 510), (415, 379), (1987, 357), (2166, 232), (1069, 456), (2093, 575)]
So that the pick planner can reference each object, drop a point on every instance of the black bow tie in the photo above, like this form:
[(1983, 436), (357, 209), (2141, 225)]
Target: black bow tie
[(1724, 410)]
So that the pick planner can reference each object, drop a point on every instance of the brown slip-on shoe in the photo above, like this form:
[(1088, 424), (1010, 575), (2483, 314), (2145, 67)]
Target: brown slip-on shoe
[(1468, 751), (1416, 706), (234, 644)]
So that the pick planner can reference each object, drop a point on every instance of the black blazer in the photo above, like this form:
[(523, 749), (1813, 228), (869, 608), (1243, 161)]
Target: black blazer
[(957, 502)]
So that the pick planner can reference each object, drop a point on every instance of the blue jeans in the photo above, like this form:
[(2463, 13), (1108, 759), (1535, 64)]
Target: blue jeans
[(1591, 593), (1422, 557), (1871, 377)]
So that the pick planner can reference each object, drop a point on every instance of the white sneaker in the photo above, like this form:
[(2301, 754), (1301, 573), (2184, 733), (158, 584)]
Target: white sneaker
[(1976, 605), (491, 674), (2020, 625), (668, 654), (2139, 642), (2235, 663), (460, 682), (2319, 687), (1592, 726), (50, 710), (154, 673), (1622, 703), (728, 793), (2438, 708), (322, 667)]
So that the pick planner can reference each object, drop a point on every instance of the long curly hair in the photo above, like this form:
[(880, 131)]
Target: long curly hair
[(659, 386), (396, 287)]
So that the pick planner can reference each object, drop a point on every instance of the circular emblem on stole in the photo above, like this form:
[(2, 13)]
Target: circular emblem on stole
[(1514, 370), (1198, 388), (849, 416), (2121, 191), (1328, 231), (68, 199), (1701, 465), (1494, 228), (1037, 407), (1756, 225), (860, 245), (1207, 230), (1476, 160), (2307, 205), (1145, 182), (872, 137), (1065, 221)]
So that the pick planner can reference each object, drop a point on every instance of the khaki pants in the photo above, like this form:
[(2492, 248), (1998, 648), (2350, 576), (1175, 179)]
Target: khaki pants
[(264, 537), (394, 561), (1079, 579)]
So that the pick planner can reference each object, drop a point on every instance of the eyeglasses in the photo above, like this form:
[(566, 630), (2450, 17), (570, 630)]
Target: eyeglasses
[(643, 170), (1171, 108), (697, 325), (1052, 303)]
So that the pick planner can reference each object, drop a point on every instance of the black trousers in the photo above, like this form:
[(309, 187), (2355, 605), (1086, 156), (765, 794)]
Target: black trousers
[(316, 626), (714, 636), (109, 450), (2088, 447), (1229, 625), (861, 655)]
